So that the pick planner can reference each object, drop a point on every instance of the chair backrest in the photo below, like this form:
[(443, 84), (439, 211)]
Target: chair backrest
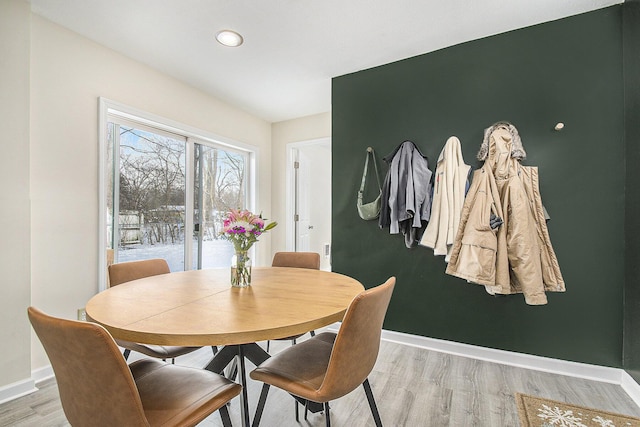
[(355, 349), (309, 260), (127, 271), (96, 386)]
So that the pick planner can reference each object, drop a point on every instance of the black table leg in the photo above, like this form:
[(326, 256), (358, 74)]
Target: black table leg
[(252, 352), (222, 359), (256, 355)]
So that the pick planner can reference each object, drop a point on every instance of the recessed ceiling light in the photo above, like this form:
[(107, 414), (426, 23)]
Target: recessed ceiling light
[(229, 38)]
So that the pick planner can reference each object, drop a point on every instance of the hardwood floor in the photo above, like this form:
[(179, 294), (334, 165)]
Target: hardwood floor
[(413, 387)]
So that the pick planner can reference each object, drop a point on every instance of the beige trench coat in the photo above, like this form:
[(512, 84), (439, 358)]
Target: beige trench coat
[(516, 257)]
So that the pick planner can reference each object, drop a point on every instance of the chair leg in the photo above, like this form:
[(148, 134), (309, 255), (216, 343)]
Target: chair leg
[(372, 403), (214, 349), (268, 346), (313, 333), (327, 416), (126, 353), (224, 414), (295, 401), (260, 407)]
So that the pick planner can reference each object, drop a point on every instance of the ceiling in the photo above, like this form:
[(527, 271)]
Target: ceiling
[(292, 48)]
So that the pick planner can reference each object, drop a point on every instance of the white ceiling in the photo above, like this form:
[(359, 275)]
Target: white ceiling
[(292, 48)]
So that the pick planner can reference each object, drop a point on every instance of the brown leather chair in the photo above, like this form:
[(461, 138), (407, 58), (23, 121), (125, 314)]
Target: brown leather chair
[(310, 260), (98, 389), (328, 366), (127, 271)]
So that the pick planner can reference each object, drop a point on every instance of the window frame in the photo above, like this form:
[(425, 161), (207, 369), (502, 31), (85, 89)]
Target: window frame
[(133, 116)]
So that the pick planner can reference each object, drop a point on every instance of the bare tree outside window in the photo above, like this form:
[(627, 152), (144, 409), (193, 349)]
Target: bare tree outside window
[(147, 219), (222, 188), (152, 185)]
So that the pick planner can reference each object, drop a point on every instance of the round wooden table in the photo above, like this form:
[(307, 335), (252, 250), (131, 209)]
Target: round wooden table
[(200, 308)]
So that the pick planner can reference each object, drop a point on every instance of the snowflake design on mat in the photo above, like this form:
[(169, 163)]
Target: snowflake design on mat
[(557, 417), (603, 421)]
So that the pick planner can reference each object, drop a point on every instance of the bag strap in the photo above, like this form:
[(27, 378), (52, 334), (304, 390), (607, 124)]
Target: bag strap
[(364, 173)]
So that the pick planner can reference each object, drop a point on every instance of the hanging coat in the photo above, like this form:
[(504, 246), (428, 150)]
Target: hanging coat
[(406, 193), (517, 256), (449, 187)]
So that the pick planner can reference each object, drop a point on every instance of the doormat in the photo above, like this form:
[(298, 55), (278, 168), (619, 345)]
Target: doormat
[(538, 412)]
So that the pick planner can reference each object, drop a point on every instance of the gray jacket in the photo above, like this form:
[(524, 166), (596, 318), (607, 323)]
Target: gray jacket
[(408, 185)]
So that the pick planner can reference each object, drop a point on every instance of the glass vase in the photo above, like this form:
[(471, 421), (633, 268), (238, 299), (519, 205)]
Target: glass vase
[(241, 270)]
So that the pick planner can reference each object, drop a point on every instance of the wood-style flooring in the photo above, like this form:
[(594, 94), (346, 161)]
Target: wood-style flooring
[(413, 387)]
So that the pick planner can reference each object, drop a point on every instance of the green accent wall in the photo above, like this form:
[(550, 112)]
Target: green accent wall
[(631, 55), (569, 71)]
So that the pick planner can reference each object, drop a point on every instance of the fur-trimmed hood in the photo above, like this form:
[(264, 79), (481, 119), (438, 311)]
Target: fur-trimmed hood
[(517, 150)]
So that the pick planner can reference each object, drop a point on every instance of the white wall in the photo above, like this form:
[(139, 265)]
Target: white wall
[(15, 21), (50, 81), (283, 133), (68, 74)]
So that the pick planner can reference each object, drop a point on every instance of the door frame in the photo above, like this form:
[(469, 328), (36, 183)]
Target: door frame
[(290, 184)]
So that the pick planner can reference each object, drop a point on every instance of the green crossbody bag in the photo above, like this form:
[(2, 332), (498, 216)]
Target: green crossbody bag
[(371, 210)]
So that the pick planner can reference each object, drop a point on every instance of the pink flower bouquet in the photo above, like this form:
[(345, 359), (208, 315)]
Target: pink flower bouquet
[(242, 228)]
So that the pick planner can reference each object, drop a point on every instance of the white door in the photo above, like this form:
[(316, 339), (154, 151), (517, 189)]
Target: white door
[(312, 199)]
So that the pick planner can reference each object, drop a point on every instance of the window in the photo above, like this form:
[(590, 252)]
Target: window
[(165, 189), (219, 185)]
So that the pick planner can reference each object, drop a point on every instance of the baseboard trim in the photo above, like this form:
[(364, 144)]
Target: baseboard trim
[(25, 387), (631, 387), (42, 374), (521, 360), (18, 389)]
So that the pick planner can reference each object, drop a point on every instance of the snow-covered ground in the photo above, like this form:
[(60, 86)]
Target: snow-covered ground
[(215, 254)]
